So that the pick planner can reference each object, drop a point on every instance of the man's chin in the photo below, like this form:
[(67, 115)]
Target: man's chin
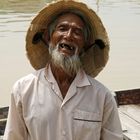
[(70, 64)]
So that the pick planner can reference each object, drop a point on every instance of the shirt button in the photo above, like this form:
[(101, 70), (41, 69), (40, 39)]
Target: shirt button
[(63, 133)]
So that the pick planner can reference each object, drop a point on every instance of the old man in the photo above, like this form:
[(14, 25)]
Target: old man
[(68, 46)]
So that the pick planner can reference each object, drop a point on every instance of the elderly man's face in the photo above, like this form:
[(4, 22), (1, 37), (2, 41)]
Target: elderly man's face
[(68, 34), (66, 41)]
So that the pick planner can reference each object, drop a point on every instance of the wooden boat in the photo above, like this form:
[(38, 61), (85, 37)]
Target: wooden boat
[(129, 111), (128, 102), (3, 118)]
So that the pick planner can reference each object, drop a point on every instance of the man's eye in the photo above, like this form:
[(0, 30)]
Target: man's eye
[(78, 32), (61, 28)]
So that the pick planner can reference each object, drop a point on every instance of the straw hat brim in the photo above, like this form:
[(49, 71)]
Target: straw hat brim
[(93, 61)]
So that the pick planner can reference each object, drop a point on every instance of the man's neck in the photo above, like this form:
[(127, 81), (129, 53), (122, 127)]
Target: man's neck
[(63, 79)]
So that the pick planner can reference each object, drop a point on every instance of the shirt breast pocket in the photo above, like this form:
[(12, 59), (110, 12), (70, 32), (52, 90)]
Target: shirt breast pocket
[(86, 125)]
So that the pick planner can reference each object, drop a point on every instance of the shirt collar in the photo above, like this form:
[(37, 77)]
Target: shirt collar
[(80, 80), (49, 75)]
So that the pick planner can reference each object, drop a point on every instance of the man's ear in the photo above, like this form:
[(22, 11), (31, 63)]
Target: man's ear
[(46, 36)]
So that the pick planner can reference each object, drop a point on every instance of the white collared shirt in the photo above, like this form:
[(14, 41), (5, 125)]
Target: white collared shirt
[(39, 112)]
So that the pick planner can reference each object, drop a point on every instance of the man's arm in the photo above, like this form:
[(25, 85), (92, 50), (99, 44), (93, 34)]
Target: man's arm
[(111, 127), (15, 127)]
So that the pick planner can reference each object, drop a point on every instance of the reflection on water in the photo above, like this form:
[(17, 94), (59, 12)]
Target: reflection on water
[(21, 6), (121, 19)]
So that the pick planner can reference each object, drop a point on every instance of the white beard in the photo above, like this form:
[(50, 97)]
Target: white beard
[(69, 64)]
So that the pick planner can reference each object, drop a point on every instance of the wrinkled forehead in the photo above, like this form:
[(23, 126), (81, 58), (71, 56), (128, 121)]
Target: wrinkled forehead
[(70, 18)]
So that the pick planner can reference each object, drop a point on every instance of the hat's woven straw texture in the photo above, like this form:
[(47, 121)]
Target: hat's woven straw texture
[(94, 59)]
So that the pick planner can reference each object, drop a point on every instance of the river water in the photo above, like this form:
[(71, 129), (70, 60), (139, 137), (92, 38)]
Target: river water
[(120, 17)]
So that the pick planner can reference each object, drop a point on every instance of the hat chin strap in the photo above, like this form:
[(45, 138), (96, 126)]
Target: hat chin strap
[(98, 42)]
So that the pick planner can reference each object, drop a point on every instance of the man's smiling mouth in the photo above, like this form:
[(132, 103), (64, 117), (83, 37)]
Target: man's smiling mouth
[(67, 47)]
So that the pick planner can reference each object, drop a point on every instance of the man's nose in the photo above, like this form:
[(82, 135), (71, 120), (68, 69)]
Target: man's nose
[(69, 34)]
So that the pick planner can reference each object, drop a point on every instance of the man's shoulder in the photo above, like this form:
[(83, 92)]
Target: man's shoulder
[(35, 75), (98, 86), (95, 82)]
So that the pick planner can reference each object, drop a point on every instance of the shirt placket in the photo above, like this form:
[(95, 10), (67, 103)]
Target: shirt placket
[(62, 124), (64, 134)]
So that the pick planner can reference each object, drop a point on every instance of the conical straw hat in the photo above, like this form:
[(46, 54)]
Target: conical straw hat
[(94, 59)]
